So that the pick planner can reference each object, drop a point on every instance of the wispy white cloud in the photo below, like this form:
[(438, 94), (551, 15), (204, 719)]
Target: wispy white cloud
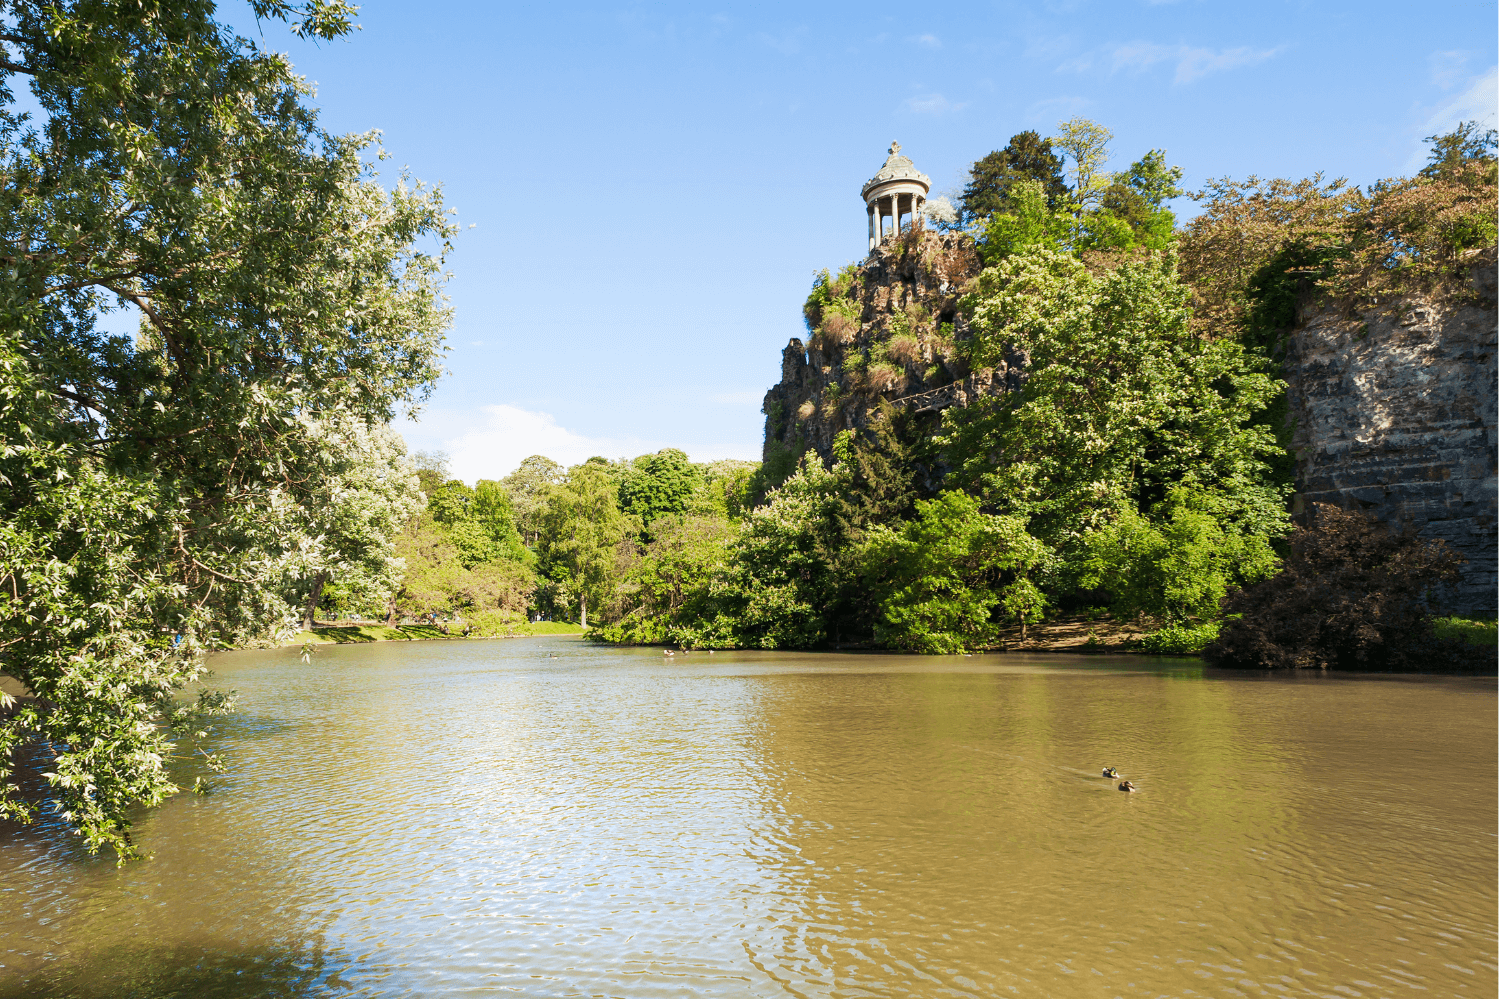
[(1447, 68), (1192, 63), (488, 442), (787, 43), (1478, 102), (1056, 108), (928, 41), (931, 104)]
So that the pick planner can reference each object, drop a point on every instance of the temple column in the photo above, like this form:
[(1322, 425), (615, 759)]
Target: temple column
[(872, 244)]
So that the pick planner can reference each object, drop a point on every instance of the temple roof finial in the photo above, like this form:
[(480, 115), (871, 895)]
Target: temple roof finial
[(894, 148)]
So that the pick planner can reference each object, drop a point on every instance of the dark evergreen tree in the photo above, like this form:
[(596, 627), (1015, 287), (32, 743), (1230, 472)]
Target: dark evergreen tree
[(1027, 157)]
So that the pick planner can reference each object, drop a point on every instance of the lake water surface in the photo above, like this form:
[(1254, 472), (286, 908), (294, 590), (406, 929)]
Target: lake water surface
[(479, 819)]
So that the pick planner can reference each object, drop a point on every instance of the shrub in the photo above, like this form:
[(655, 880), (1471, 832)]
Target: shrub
[(838, 326), (1180, 563), (885, 377), (903, 349), (1179, 639), (1350, 596), (1483, 631)]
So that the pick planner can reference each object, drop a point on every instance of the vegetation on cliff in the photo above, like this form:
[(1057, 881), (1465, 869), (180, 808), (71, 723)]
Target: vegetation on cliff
[(1132, 455)]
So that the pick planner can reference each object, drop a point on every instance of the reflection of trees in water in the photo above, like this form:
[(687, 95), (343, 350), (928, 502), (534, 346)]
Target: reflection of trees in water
[(955, 828), (161, 971)]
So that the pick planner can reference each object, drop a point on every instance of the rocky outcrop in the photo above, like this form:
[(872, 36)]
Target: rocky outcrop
[(887, 329), (1394, 414)]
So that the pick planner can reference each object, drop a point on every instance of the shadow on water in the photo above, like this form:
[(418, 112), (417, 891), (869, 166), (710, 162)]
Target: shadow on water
[(148, 971)]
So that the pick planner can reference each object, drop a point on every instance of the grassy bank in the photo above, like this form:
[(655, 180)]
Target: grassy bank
[(353, 634)]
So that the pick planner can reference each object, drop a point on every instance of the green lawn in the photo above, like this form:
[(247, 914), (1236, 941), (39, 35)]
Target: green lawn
[(350, 634)]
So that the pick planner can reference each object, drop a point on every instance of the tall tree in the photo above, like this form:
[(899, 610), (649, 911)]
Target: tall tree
[(659, 484), (991, 180), (1087, 143), (161, 489), (529, 485), (581, 526)]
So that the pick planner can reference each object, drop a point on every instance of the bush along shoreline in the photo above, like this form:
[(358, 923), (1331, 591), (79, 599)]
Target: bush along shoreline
[(1120, 474)]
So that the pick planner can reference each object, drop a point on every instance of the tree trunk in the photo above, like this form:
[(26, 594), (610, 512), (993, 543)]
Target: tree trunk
[(313, 598), (583, 610), (390, 612)]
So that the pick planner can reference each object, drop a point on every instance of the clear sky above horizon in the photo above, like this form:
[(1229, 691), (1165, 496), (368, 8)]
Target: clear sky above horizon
[(652, 187)]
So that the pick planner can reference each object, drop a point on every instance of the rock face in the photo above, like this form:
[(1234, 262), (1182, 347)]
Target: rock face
[(888, 330), (1394, 414)]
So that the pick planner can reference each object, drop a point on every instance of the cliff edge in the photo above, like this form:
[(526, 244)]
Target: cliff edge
[(1394, 413), (887, 329)]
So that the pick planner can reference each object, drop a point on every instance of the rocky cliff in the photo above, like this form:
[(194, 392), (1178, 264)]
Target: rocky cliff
[(887, 329), (1394, 414), (1393, 410)]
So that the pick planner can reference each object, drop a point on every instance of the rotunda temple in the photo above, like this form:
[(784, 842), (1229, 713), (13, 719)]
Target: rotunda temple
[(898, 190)]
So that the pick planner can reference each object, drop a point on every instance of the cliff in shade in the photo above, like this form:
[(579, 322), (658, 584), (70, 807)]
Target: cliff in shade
[(887, 329), (1394, 414)]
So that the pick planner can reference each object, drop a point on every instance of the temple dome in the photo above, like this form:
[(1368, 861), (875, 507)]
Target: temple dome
[(896, 168), (897, 190)]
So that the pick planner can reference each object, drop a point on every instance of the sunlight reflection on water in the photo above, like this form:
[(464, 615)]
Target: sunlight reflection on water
[(475, 818)]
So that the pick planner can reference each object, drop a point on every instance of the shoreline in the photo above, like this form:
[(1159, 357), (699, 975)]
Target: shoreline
[(362, 634)]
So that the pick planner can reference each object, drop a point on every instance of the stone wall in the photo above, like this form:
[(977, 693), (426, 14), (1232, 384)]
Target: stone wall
[(1394, 414)]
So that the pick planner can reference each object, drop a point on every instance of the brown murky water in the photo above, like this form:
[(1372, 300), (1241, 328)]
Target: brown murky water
[(479, 819)]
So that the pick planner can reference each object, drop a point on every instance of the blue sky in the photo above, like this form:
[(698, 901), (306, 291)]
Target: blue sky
[(652, 187)]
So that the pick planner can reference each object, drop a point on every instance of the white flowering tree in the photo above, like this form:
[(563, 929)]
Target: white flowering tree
[(162, 493)]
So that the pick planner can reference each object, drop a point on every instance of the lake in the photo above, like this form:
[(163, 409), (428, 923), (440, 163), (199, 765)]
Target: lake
[(481, 819)]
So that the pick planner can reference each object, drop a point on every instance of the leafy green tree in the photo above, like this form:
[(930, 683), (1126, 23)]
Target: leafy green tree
[(1466, 145), (529, 486), (360, 507), (727, 489), (1030, 222), (164, 492), (944, 576), (667, 587), (992, 180), (1178, 563), (1120, 404), (450, 501), (1132, 211), (659, 484), (493, 510), (781, 569), (1087, 144), (580, 529)]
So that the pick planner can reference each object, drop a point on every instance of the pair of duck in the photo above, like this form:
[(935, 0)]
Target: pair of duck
[(1112, 774)]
